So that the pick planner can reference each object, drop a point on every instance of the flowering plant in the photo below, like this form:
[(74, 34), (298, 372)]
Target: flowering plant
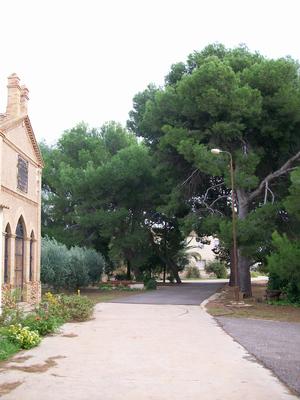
[(23, 336)]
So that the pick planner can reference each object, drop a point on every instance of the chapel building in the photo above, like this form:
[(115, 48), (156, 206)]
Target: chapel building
[(20, 199)]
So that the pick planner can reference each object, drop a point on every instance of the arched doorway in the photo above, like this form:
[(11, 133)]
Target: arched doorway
[(6, 254), (19, 257)]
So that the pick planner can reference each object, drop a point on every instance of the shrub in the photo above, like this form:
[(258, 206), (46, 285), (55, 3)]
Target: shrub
[(54, 263), (284, 267), (121, 276), (23, 336), (150, 284), (69, 269), (43, 322), (11, 313), (78, 274), (218, 268), (78, 308), (192, 272), (7, 347), (95, 264)]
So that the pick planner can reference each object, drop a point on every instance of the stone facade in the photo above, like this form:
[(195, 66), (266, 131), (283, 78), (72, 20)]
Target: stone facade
[(20, 198)]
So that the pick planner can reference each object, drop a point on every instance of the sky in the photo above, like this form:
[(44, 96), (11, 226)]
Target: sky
[(85, 60)]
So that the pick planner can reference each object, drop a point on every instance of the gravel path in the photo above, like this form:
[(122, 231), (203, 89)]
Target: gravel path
[(276, 344)]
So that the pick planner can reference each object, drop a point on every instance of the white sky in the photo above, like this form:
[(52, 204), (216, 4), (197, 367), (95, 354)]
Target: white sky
[(85, 60)]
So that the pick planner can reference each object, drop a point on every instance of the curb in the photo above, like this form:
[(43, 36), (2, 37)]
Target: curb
[(210, 298)]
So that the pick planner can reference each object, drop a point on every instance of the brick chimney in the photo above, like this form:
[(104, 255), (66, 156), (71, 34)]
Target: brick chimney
[(13, 109), (24, 99)]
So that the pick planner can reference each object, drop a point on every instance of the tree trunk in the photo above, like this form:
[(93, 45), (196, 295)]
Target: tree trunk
[(174, 269), (164, 273), (243, 262), (128, 273), (232, 272), (244, 275)]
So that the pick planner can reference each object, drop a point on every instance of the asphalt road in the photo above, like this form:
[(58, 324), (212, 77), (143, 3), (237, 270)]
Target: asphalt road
[(184, 294), (275, 344)]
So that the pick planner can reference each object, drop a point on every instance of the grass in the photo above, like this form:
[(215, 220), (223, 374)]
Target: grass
[(256, 307), (105, 296)]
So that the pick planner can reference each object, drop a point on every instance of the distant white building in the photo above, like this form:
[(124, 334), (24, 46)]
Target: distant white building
[(200, 250)]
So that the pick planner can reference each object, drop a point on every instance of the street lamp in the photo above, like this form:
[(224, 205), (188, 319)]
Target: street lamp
[(235, 257)]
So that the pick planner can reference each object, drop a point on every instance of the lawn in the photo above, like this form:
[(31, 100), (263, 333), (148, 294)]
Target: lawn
[(255, 307), (105, 296)]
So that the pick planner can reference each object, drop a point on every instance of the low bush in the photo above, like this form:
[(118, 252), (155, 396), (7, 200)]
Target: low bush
[(77, 308), (43, 322), (11, 313), (52, 312), (7, 347), (192, 272), (151, 284), (218, 268), (121, 276), (23, 336)]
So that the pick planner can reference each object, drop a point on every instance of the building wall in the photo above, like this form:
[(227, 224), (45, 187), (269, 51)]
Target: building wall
[(16, 139), (204, 251)]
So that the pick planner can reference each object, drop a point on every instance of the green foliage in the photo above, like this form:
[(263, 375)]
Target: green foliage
[(11, 313), (78, 270), (292, 202), (151, 284), (218, 268), (283, 302), (43, 322), (54, 263), (244, 104), (284, 266), (192, 272), (78, 308), (7, 347), (23, 336), (69, 269), (95, 265), (52, 312)]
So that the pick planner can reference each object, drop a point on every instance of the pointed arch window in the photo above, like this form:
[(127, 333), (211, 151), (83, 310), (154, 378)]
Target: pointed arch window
[(19, 254), (22, 174), (7, 253)]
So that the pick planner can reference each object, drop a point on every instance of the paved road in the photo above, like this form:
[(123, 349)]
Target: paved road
[(276, 344), (184, 294)]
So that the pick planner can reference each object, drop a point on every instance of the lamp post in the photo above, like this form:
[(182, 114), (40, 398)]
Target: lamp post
[(235, 257)]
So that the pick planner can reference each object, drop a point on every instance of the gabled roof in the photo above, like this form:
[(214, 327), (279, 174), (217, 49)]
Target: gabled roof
[(6, 125)]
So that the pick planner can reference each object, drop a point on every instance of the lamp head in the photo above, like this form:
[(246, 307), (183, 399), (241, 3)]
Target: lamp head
[(216, 151)]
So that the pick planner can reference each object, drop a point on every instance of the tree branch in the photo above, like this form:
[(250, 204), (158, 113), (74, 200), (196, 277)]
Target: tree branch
[(190, 177), (219, 198), (210, 188), (273, 175)]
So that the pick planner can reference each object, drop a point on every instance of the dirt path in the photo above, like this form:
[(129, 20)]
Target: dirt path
[(140, 352)]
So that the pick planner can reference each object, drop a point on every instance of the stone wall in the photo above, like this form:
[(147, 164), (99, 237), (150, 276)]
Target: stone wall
[(31, 293)]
